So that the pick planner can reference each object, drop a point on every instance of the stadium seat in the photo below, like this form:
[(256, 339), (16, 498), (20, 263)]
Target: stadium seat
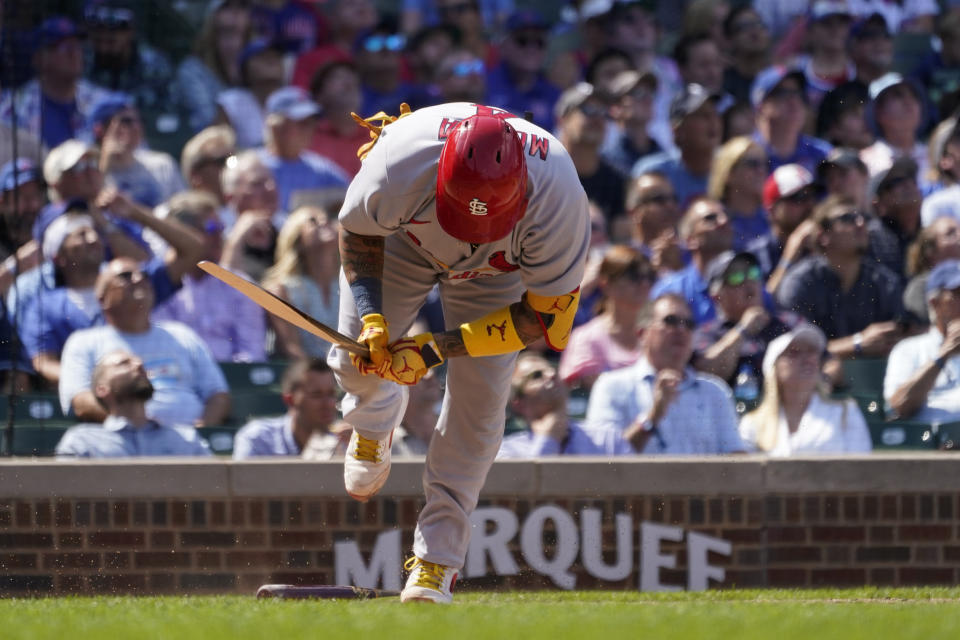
[(256, 403), (34, 439), (865, 375), (903, 434), (220, 438), (948, 436), (254, 375)]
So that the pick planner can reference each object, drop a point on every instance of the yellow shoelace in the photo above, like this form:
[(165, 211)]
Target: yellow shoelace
[(376, 129), (367, 450), (431, 574)]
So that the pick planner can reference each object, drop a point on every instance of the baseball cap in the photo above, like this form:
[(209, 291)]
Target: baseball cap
[(903, 168), (888, 81), (63, 157), (717, 269), (843, 157), (691, 97), (17, 173), (292, 102), (626, 81), (255, 48), (572, 98), (803, 332), (821, 9), (872, 25), (54, 30), (768, 79), (58, 230), (103, 111), (526, 19), (943, 277), (785, 181)]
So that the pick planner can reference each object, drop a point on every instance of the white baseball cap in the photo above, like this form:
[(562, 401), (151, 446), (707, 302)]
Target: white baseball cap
[(804, 332), (63, 157)]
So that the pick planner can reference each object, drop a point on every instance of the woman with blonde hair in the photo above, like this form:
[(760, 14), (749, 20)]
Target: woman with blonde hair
[(736, 179), (610, 340), (306, 274), (796, 416)]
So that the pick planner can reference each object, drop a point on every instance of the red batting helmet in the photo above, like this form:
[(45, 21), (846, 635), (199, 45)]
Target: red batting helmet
[(481, 180)]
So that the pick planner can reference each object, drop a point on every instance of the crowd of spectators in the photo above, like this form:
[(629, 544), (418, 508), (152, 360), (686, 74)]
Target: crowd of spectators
[(774, 190)]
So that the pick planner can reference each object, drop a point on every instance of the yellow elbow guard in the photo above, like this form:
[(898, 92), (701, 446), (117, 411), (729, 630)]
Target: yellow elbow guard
[(491, 335), (563, 308)]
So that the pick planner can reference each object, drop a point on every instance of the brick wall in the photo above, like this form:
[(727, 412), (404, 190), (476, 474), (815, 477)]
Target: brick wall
[(175, 527)]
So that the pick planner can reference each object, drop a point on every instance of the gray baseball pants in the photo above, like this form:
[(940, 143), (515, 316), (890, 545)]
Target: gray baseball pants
[(471, 422)]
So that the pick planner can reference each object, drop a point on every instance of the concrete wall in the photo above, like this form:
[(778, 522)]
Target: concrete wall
[(169, 526)]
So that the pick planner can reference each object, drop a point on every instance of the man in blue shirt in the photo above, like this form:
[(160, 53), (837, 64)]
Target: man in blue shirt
[(779, 98), (660, 405), (302, 177), (54, 106), (310, 393), (697, 131), (121, 385), (707, 232), (517, 84), (539, 397)]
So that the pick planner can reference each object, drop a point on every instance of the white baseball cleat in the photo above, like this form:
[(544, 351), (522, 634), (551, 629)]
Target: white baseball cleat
[(366, 466), (428, 582)]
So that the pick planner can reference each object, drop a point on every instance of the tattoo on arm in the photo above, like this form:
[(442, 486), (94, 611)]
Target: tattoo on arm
[(524, 321), (361, 256)]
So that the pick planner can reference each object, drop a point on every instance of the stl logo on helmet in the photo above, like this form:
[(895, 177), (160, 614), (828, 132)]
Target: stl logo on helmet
[(478, 208)]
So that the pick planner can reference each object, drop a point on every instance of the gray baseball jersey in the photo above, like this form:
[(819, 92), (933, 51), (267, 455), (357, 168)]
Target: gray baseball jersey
[(393, 195), (395, 190)]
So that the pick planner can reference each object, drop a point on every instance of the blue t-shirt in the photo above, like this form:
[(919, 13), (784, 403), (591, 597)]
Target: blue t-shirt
[(51, 316), (690, 284), (746, 229), (809, 153), (310, 171), (685, 185), (60, 121), (538, 99)]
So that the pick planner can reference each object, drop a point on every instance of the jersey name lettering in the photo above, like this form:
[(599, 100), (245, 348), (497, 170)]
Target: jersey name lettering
[(534, 145)]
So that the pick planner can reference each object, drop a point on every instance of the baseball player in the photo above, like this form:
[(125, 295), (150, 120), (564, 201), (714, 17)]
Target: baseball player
[(489, 207)]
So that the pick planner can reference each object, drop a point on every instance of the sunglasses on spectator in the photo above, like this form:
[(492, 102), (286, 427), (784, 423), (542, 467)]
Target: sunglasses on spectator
[(752, 163), (85, 164), (737, 278), (659, 198), (467, 68), (375, 44), (713, 217), (129, 275), (592, 110), (642, 93), (850, 217), (525, 41), (128, 121), (674, 321)]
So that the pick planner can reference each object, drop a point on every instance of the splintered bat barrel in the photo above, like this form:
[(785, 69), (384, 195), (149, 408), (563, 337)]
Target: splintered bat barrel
[(323, 591)]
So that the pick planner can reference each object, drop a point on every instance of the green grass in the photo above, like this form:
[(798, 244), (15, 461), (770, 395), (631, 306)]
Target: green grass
[(853, 614)]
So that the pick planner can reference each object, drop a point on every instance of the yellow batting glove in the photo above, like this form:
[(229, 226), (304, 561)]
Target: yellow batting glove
[(411, 358), (377, 338)]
